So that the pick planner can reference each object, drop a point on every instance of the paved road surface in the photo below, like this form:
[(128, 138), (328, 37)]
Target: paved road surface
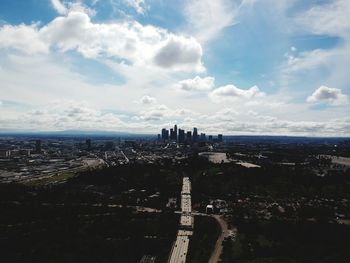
[(218, 246), (179, 250)]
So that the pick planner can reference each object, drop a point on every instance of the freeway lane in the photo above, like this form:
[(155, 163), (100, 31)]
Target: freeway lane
[(180, 248)]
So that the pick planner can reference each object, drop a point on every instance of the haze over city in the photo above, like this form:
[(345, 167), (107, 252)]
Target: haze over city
[(233, 67)]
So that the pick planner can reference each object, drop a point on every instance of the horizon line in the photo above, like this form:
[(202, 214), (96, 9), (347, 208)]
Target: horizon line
[(106, 132)]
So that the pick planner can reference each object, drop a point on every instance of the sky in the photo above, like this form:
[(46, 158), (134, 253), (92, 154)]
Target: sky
[(255, 67)]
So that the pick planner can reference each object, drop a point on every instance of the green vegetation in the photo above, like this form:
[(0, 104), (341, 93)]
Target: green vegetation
[(206, 232), (43, 225), (59, 178), (149, 185), (92, 217), (88, 217), (288, 242), (274, 180)]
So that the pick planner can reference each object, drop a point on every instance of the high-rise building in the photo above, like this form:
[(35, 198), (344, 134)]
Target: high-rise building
[(5, 153), (88, 144), (165, 134), (195, 134), (220, 138), (38, 146), (181, 136), (175, 132), (172, 135), (189, 136)]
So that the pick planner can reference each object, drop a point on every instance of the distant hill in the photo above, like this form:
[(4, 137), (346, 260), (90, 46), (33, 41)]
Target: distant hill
[(73, 133), (228, 138)]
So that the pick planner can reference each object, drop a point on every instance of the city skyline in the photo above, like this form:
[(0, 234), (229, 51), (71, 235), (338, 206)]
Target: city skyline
[(190, 136), (240, 67), (175, 131)]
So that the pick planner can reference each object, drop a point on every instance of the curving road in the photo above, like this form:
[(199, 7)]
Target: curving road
[(218, 246)]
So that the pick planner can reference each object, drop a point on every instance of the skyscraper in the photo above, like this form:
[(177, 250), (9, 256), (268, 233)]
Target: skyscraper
[(38, 146), (88, 144), (195, 134), (175, 132), (220, 138), (189, 136), (172, 136), (165, 134), (181, 136)]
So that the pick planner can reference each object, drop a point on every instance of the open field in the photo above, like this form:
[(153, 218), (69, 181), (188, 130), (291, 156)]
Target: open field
[(61, 177), (339, 160)]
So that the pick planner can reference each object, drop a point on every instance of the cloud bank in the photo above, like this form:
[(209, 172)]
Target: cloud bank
[(197, 84), (131, 42), (232, 93), (331, 96), (207, 18)]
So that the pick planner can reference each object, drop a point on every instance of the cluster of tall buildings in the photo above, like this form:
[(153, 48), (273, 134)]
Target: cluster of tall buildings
[(182, 136)]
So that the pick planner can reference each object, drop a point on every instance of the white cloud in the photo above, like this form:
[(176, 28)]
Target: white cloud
[(207, 18), (23, 38), (66, 7), (327, 19), (145, 58), (196, 84), (137, 44), (146, 100), (314, 67), (162, 112), (59, 7), (327, 95), (138, 5), (63, 115), (225, 114), (308, 60), (231, 92), (70, 32), (229, 121), (179, 52), (244, 123), (29, 79), (156, 113)]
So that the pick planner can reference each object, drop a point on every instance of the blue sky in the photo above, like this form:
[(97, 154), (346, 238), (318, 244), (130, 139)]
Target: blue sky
[(230, 66)]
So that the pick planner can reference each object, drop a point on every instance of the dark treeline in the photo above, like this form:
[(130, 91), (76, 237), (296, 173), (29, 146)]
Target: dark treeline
[(133, 184), (71, 235), (225, 180), (81, 221), (137, 176), (206, 232), (299, 242)]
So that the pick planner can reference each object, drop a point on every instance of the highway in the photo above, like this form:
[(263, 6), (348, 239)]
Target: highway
[(180, 247), (186, 206), (126, 158)]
